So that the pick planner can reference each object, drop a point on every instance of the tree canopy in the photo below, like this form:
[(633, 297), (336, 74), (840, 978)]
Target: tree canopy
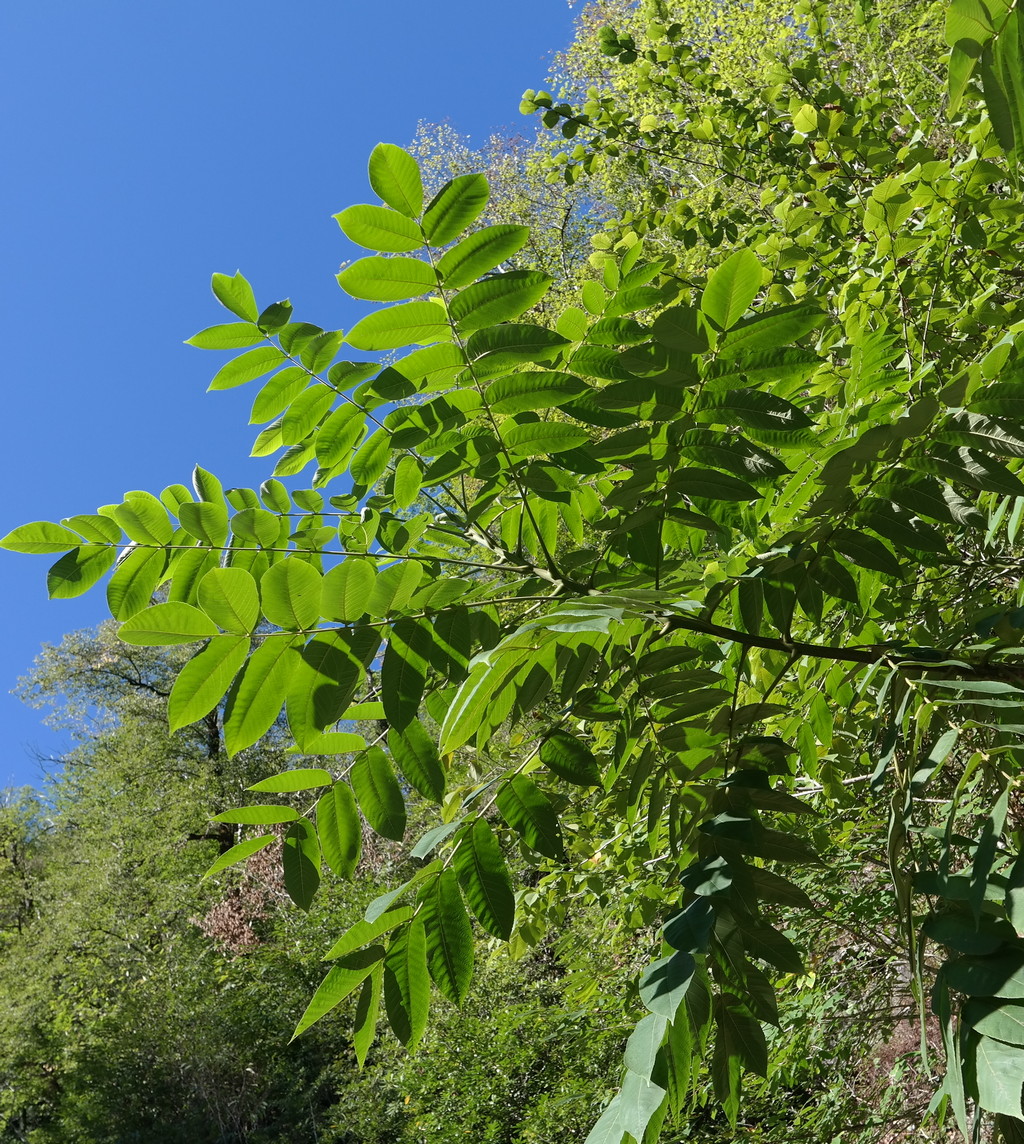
[(675, 586)]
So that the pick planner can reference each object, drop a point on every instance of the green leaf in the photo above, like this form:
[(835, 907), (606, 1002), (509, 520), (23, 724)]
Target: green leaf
[(278, 393), (305, 413), (255, 698), (240, 852), (740, 1036), (235, 294), (100, 529), (259, 815), (230, 598), (411, 323), (346, 589), (712, 485), (388, 279), (339, 435), (404, 671), (640, 1100), (40, 537), (1002, 1020), (395, 178), (499, 298), (78, 570), (324, 679), (301, 863), (144, 519), (164, 624), (433, 838), (968, 20), (364, 932), (866, 552), (247, 367), (731, 288), (367, 1014), (205, 521), (497, 348), (455, 206), (302, 778), (752, 407), (449, 936), (369, 463), (771, 330), (570, 759), (233, 336), (644, 1045), (537, 389), (407, 480), (378, 228), (417, 757), (343, 980), (135, 578), (202, 682), (527, 810), (407, 984), (291, 595), (340, 831), (276, 315), (542, 438), (999, 1070), (663, 983), (380, 796), (999, 976), (480, 252), (394, 587), (481, 871)]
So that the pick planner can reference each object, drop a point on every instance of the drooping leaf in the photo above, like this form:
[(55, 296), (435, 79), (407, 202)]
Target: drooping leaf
[(342, 980), (380, 796), (203, 681), (255, 698), (407, 984), (449, 936), (301, 862), (664, 982), (78, 570), (339, 830), (417, 757), (527, 810), (570, 759), (240, 852), (484, 878)]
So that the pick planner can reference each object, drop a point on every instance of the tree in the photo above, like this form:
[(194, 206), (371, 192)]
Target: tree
[(712, 574)]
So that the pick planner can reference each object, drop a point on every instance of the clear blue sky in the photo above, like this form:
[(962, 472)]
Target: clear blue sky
[(148, 145)]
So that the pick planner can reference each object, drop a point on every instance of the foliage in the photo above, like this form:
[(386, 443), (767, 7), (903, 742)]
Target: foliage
[(703, 577)]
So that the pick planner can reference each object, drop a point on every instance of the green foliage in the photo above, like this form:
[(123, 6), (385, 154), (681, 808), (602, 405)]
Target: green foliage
[(649, 572)]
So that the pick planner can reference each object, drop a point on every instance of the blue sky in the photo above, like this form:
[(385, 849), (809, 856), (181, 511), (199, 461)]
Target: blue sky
[(148, 145)]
